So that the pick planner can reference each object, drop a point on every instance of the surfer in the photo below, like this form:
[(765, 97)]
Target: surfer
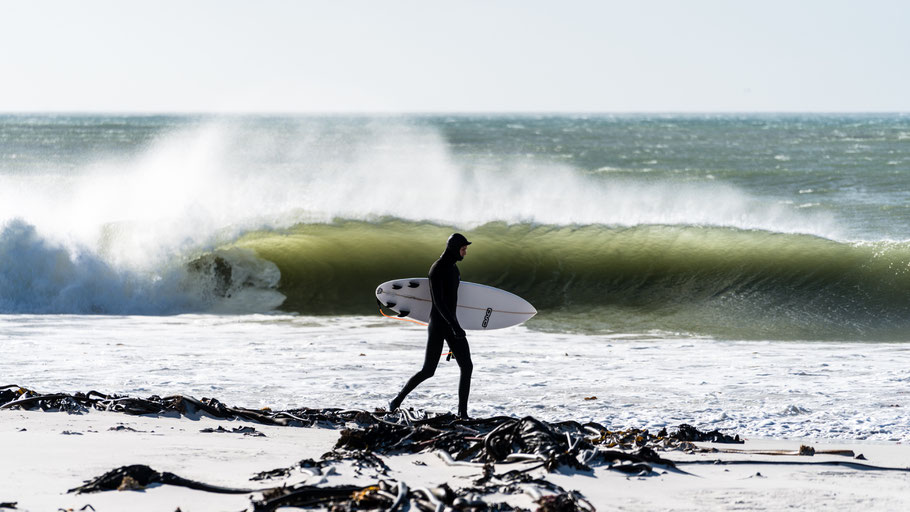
[(444, 278)]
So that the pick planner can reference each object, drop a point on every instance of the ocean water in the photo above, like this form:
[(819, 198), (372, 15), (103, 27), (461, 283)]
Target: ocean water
[(746, 272)]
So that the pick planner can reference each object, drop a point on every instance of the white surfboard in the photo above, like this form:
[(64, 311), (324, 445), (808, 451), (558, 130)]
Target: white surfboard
[(480, 307)]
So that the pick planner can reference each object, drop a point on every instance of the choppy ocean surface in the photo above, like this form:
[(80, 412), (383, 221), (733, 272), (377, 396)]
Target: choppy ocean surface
[(741, 253)]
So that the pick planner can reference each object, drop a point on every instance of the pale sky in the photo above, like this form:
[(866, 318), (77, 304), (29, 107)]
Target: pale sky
[(458, 56)]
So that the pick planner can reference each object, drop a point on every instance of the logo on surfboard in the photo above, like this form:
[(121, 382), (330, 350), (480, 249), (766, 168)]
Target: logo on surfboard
[(486, 318)]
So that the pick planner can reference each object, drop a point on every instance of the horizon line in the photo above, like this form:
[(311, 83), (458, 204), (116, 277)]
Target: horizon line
[(379, 113)]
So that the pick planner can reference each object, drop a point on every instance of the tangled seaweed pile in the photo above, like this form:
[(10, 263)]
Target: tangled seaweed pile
[(364, 436), (14, 396)]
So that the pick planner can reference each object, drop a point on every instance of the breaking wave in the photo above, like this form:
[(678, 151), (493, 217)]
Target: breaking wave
[(710, 280), (725, 282)]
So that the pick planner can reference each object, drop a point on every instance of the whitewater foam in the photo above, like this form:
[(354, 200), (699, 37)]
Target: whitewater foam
[(40, 276), (787, 390)]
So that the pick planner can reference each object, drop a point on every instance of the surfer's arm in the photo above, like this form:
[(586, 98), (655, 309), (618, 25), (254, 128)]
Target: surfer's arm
[(438, 296)]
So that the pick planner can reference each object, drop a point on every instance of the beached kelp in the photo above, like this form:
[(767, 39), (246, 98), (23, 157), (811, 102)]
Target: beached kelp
[(383, 495), (13, 396), (496, 439), (381, 431), (689, 433), (680, 439), (366, 437), (503, 439), (247, 431), (139, 476), (389, 495), (342, 497)]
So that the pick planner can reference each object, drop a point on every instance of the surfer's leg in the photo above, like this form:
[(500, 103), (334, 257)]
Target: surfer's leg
[(430, 361), (462, 352)]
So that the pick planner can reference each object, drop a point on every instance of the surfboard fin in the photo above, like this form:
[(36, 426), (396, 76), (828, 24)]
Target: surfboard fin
[(396, 286), (413, 284), (404, 313), (386, 305)]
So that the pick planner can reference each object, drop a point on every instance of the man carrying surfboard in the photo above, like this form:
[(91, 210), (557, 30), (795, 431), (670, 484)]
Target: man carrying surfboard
[(444, 279)]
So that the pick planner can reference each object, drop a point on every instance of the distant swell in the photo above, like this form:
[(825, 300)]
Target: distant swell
[(703, 280)]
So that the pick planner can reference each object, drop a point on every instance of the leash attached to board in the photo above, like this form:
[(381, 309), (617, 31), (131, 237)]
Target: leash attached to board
[(381, 312), (448, 354)]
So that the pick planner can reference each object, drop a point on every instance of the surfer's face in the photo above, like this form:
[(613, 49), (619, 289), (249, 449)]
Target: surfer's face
[(463, 250)]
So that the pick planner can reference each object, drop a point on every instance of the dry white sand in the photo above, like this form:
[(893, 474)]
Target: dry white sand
[(41, 461)]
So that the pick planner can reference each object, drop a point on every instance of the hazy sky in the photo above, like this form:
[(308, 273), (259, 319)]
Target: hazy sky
[(393, 56)]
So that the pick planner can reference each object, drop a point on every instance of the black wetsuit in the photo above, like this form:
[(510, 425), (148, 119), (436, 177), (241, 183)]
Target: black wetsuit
[(444, 278)]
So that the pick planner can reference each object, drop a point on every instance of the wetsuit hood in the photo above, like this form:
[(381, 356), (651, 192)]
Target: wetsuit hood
[(453, 247)]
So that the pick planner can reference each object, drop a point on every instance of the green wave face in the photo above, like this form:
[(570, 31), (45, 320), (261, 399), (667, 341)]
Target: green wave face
[(699, 280)]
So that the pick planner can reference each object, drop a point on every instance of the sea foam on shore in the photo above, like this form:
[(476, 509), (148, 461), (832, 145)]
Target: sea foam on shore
[(816, 389)]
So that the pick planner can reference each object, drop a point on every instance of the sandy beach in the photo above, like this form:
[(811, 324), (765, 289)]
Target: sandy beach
[(46, 454)]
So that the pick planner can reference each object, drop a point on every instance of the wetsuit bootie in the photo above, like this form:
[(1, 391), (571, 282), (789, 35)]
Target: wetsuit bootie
[(393, 406)]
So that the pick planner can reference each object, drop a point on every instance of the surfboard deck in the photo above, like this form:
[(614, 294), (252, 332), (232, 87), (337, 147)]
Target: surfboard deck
[(480, 307)]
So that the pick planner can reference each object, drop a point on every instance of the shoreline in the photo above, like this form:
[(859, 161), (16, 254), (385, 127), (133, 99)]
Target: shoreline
[(768, 389), (52, 452)]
